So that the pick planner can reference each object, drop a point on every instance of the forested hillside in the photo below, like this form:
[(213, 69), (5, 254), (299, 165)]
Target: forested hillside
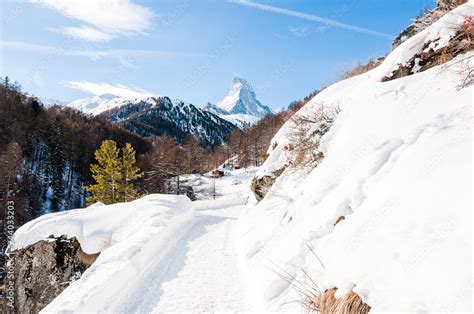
[(47, 152)]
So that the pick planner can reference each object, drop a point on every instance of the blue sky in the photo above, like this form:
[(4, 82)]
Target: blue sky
[(191, 49)]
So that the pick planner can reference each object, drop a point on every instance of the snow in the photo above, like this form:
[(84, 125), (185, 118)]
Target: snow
[(98, 104), (241, 120), (397, 165), (49, 102), (159, 253), (240, 106), (241, 99)]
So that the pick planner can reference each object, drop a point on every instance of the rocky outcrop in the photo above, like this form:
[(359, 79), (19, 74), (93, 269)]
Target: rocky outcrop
[(261, 185), (450, 4), (425, 20), (428, 57), (44, 269)]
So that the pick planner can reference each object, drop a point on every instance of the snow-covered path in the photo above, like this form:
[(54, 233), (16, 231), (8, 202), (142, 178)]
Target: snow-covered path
[(198, 271), (208, 279)]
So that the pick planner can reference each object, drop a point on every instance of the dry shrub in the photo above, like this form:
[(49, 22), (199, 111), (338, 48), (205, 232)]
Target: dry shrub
[(306, 132), (86, 259), (362, 68), (326, 303), (450, 4)]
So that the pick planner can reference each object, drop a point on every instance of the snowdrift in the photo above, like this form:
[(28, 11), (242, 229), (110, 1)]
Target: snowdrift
[(128, 235), (397, 166)]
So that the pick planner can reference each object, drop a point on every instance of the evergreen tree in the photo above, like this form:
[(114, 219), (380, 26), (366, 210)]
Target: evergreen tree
[(129, 173), (113, 174), (106, 174)]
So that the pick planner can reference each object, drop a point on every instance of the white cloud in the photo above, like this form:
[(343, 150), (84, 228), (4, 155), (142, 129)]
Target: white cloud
[(106, 88), (85, 33), (105, 19), (299, 31), (126, 56), (308, 17)]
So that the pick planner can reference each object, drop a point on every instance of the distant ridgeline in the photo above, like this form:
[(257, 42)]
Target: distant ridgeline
[(150, 116), (157, 116)]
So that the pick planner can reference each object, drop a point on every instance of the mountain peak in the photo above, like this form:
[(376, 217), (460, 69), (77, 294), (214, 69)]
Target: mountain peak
[(241, 99), (242, 83)]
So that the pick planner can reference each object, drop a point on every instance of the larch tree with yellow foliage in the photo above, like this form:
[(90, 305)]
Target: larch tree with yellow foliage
[(114, 174)]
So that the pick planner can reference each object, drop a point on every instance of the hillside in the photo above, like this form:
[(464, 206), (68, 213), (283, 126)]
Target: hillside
[(379, 213)]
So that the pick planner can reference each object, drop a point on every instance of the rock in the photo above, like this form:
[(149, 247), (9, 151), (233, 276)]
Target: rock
[(44, 269), (460, 43), (261, 185)]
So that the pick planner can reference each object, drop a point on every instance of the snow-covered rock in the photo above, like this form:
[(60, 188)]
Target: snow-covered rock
[(240, 106), (397, 166), (34, 287)]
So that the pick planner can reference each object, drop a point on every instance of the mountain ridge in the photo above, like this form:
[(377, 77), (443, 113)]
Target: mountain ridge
[(153, 115)]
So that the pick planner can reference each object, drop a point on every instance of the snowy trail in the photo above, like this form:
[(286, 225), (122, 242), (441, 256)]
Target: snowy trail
[(198, 270), (209, 279), (199, 273)]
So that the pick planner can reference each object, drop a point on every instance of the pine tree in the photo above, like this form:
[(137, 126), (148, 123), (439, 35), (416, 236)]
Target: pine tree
[(106, 174), (129, 173)]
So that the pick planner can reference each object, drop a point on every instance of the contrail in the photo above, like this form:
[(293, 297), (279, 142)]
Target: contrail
[(309, 17)]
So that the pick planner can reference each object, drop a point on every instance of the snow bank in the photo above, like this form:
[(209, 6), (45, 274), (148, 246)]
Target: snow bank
[(397, 166), (128, 235)]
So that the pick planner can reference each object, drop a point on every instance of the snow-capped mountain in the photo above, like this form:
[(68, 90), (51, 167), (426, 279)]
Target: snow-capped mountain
[(98, 104), (158, 115), (48, 102), (240, 106)]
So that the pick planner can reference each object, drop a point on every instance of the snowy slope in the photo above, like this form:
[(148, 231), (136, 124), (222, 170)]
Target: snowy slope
[(397, 167), (241, 120), (48, 102), (240, 106), (98, 104)]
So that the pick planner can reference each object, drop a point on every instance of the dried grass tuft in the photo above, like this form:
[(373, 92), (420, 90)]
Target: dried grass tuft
[(326, 303), (86, 259)]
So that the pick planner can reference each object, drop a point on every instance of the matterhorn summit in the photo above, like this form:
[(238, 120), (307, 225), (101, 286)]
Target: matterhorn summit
[(240, 99), (240, 105)]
